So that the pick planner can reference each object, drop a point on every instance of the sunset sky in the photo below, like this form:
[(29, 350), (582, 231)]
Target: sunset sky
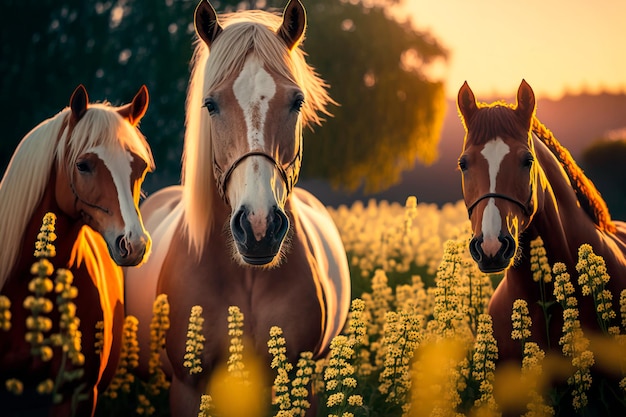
[(557, 46)]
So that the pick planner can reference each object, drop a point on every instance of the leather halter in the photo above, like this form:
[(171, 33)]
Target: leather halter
[(288, 173), (78, 198), (523, 206)]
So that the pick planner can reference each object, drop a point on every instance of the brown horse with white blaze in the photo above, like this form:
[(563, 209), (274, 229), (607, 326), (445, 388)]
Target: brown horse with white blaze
[(86, 166), (519, 183), (238, 232)]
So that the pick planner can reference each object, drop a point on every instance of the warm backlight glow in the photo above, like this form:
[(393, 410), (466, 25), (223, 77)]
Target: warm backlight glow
[(557, 46)]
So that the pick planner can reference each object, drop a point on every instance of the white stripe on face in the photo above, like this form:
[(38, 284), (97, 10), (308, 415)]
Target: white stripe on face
[(252, 183), (119, 165), (254, 88), (494, 152)]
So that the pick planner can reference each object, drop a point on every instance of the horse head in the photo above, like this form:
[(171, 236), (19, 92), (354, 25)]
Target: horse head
[(103, 160), (499, 175), (255, 127)]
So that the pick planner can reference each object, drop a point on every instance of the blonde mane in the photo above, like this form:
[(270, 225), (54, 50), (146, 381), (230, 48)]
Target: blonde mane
[(245, 32), (28, 173)]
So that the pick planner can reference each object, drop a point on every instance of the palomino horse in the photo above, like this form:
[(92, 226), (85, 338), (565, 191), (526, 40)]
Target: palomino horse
[(85, 165), (237, 233), (520, 183)]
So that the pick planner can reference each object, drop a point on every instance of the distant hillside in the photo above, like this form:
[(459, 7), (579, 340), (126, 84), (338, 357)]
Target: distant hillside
[(576, 121)]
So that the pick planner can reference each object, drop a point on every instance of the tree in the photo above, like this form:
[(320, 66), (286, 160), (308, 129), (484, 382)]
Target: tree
[(603, 162), (389, 113)]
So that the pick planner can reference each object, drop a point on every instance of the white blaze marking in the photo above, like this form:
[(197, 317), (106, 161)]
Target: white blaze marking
[(252, 184), (254, 88), (118, 164), (494, 152)]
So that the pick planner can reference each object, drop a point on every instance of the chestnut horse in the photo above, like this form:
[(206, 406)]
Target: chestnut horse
[(520, 183), (237, 232), (85, 165)]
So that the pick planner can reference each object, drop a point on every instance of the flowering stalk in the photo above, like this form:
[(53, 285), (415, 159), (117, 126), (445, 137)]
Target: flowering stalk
[(447, 311), (278, 350), (574, 343), (5, 313), (195, 341), (159, 325), (69, 337), (532, 368), (520, 319), (339, 379), (206, 405), (483, 362), (235, 362), (593, 278), (542, 274), (129, 359), (400, 339), (299, 386), (409, 214)]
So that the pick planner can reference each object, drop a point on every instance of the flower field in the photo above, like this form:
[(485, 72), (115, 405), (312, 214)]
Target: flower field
[(418, 341)]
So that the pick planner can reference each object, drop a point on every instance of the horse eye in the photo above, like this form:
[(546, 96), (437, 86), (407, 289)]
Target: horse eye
[(83, 166), (297, 103), (462, 164), (211, 106), (528, 161)]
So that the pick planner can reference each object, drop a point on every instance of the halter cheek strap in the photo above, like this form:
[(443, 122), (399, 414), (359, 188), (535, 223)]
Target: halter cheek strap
[(288, 173), (524, 206), (77, 198)]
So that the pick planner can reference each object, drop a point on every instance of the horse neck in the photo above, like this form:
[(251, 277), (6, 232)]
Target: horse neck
[(560, 221)]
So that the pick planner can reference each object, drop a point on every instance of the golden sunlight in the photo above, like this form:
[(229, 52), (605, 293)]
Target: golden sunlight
[(558, 47)]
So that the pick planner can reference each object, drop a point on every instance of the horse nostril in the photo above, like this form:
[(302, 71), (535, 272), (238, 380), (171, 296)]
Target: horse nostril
[(238, 224), (474, 248), (281, 224), (508, 246), (123, 245)]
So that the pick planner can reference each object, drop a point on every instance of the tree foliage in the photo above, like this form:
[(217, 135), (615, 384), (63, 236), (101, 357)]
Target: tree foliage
[(388, 115), (603, 162)]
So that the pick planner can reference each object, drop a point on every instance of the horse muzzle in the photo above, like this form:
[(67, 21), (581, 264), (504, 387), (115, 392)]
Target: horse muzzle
[(129, 249), (493, 257), (258, 239)]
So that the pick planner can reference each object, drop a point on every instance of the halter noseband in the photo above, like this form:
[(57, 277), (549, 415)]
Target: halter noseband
[(289, 174), (523, 206)]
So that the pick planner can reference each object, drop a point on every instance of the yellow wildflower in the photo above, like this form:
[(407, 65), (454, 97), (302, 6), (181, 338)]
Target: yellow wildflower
[(14, 386), (592, 277), (195, 341), (5, 313)]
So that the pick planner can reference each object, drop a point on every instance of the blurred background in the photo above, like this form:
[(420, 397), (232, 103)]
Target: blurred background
[(394, 67)]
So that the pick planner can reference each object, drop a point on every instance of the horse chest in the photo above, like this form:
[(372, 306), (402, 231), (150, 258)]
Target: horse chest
[(266, 298)]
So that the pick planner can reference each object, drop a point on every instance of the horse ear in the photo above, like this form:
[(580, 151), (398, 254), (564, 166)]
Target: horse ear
[(466, 103), (136, 109), (205, 21), (294, 22), (78, 103), (526, 104)]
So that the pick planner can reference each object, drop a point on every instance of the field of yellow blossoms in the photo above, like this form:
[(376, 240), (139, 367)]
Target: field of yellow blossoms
[(418, 341)]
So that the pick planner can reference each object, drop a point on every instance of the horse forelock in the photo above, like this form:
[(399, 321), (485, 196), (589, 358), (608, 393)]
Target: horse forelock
[(245, 33), (495, 120), (101, 125)]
